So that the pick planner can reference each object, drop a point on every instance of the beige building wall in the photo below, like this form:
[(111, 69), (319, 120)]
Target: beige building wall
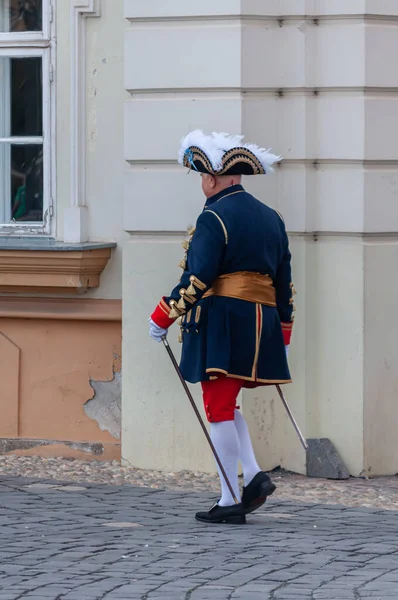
[(60, 368), (101, 71), (61, 328), (381, 356), (313, 79)]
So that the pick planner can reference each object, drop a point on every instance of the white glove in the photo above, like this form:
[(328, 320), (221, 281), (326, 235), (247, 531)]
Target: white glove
[(287, 351), (156, 332)]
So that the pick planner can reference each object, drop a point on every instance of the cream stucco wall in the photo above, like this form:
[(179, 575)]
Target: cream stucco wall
[(319, 90), (334, 361), (326, 102), (274, 440), (104, 99), (381, 356), (159, 428), (173, 97)]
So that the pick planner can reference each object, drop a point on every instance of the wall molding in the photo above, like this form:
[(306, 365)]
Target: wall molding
[(61, 309), (44, 271), (262, 20), (75, 226)]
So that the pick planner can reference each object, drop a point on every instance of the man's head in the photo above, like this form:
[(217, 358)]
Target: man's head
[(212, 185)]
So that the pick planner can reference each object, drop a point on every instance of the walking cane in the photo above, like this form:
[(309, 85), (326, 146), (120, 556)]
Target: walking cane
[(192, 401), (293, 420)]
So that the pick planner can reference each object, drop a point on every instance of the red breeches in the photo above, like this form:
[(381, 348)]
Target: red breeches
[(219, 397)]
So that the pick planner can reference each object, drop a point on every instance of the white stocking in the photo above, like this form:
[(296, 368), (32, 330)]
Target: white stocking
[(225, 439), (247, 457)]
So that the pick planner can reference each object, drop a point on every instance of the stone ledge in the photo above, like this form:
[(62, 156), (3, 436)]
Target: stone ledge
[(61, 309), (47, 266), (60, 448), (49, 245)]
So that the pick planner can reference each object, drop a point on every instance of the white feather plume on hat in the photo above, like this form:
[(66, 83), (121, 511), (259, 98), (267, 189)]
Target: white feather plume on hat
[(216, 145)]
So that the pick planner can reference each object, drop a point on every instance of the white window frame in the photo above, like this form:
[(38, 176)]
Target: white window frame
[(28, 45)]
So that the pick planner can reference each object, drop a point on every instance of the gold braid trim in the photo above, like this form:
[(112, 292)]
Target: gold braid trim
[(186, 244), (189, 298), (166, 311), (222, 224), (201, 157), (196, 283), (241, 155), (291, 301), (192, 290), (175, 311), (234, 156)]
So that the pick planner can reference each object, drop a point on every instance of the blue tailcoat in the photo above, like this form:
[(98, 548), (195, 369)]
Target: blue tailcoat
[(234, 233)]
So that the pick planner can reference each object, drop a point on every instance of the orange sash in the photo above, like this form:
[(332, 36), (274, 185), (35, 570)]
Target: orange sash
[(252, 287)]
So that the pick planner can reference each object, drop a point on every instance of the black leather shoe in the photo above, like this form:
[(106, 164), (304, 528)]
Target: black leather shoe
[(256, 493), (235, 515)]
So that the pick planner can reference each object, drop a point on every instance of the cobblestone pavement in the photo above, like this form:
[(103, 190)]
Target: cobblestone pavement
[(95, 542), (380, 492)]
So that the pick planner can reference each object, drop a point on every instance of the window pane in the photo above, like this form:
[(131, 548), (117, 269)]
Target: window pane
[(26, 183), (21, 97), (26, 97), (21, 15)]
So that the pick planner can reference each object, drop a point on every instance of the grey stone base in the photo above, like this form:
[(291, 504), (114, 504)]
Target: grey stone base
[(8, 445), (324, 461)]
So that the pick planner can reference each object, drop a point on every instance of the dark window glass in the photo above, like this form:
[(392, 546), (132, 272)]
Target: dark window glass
[(27, 183), (21, 15), (26, 97)]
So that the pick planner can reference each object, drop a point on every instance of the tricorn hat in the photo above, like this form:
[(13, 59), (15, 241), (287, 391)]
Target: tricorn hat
[(222, 154)]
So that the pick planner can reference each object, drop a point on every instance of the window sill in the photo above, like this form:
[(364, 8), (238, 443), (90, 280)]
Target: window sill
[(44, 265)]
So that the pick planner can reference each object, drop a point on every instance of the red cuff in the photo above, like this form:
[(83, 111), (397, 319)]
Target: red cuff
[(287, 329), (161, 315)]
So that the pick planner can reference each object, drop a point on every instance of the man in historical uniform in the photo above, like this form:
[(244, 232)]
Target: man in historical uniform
[(234, 303)]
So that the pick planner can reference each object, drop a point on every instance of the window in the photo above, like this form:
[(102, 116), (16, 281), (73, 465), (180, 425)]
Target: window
[(26, 55)]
